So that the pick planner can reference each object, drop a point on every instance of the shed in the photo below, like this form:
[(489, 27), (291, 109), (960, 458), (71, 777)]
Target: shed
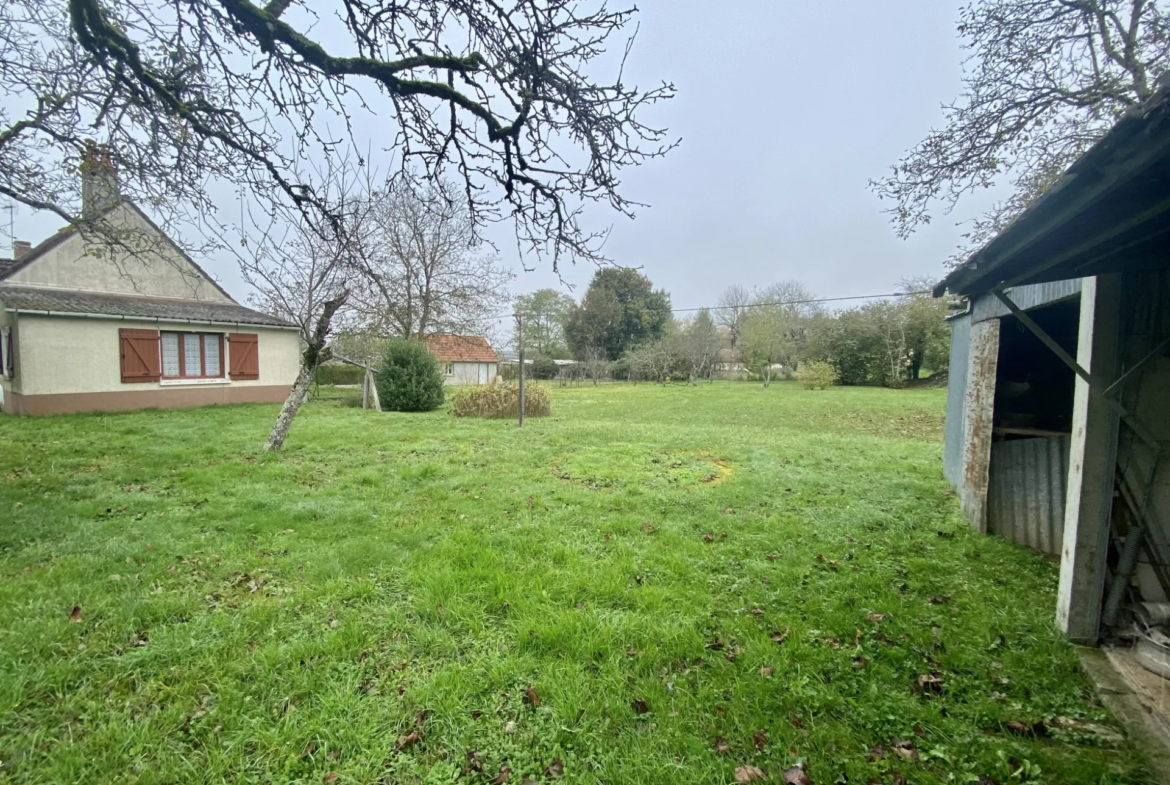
[(1058, 410)]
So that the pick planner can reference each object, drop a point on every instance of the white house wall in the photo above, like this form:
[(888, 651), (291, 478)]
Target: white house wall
[(76, 366)]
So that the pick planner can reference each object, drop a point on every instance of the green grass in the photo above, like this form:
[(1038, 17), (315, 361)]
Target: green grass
[(256, 618)]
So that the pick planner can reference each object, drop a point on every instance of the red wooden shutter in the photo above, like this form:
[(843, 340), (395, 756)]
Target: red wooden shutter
[(140, 356), (244, 355)]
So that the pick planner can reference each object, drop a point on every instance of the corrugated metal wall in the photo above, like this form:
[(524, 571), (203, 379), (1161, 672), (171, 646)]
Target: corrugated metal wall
[(956, 394), (1027, 485), (988, 306)]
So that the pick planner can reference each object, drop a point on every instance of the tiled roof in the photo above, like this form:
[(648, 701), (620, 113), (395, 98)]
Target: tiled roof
[(460, 348), (75, 302)]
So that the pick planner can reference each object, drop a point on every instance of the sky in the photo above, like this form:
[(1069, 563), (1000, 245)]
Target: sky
[(785, 110)]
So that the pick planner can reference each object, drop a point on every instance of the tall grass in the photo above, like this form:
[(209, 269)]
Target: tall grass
[(497, 401)]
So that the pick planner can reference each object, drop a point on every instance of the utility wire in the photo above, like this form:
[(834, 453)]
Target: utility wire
[(761, 305)]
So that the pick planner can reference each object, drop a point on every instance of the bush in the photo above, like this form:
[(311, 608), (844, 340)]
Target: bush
[(818, 376), (409, 380), (342, 373), (543, 368), (500, 400)]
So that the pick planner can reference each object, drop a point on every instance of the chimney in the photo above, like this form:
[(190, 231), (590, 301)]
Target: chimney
[(99, 182), (20, 248)]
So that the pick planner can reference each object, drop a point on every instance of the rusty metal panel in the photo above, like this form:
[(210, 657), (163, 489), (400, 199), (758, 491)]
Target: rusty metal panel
[(979, 406), (956, 395), (988, 306), (1027, 484)]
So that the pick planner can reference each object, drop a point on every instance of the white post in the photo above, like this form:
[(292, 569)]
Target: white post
[(1092, 465)]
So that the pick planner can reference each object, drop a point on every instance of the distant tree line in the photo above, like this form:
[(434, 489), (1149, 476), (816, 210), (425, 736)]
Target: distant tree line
[(624, 328)]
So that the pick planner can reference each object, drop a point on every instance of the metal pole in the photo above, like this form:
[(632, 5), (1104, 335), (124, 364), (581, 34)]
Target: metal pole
[(520, 344)]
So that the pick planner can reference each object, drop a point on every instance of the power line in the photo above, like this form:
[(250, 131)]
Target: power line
[(764, 304)]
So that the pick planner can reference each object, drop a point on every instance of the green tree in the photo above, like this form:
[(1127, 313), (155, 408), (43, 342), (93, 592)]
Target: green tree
[(409, 379), (620, 310), (928, 336), (775, 328), (545, 312)]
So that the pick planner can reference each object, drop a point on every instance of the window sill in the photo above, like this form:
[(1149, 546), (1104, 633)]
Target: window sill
[(192, 382)]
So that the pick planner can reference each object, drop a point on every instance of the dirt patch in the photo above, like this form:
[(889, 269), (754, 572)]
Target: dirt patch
[(623, 465)]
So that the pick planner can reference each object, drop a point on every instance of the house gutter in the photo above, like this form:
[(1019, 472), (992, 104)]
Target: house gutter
[(155, 319)]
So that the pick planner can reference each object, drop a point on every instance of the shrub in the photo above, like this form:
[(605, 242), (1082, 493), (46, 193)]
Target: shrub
[(500, 400), (409, 380), (543, 368), (818, 376), (340, 374)]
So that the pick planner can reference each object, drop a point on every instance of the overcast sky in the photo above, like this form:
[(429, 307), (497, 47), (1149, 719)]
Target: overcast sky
[(785, 110)]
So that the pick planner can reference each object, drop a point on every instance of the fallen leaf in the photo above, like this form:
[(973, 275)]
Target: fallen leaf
[(779, 636), (919, 732), (708, 537), (333, 624), (856, 637), (638, 579), (531, 697), (309, 749), (421, 717), (928, 684), (757, 612), (796, 723), (860, 662), (772, 556), (939, 599), (475, 715), (767, 671), (75, 614), (876, 617), (647, 527), (631, 651), (639, 706), (555, 769), (796, 776), (820, 557), (408, 740), (732, 653), (721, 746), (333, 754), (760, 739), (904, 749), (331, 778), (502, 778), (876, 753), (716, 645), (473, 763), (1024, 729), (746, 774)]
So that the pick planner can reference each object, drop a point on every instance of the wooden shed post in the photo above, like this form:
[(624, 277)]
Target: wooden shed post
[(1092, 465), (978, 420)]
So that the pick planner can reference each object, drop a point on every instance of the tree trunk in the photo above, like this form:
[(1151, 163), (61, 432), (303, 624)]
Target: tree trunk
[(292, 405), (315, 354)]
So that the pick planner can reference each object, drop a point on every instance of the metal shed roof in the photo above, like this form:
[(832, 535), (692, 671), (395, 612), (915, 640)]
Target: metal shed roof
[(1110, 212)]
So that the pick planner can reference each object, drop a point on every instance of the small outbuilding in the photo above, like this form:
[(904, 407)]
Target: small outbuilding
[(1058, 409), (90, 325), (464, 359)]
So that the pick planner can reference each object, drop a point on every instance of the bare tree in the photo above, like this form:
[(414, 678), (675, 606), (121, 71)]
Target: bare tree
[(1048, 78), (499, 95), (425, 271), (596, 363), (731, 312), (302, 271), (700, 346)]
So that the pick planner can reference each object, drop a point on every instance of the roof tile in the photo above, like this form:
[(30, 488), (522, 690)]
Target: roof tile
[(460, 348)]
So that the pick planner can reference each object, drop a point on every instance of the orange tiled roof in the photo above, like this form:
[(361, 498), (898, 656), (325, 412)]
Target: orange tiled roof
[(460, 348)]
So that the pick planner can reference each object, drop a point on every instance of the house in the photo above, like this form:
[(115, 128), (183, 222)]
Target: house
[(88, 326), (1058, 409), (464, 359)]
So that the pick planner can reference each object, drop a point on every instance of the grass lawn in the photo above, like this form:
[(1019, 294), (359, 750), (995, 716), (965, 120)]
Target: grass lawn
[(655, 585)]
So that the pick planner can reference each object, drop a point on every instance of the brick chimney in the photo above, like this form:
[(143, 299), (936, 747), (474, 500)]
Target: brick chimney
[(99, 182), (20, 248)]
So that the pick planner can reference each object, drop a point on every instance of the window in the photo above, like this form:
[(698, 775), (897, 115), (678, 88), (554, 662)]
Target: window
[(450, 369), (192, 355)]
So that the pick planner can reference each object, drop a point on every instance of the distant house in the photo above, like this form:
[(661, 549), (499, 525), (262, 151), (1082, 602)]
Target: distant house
[(464, 359), (87, 327)]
